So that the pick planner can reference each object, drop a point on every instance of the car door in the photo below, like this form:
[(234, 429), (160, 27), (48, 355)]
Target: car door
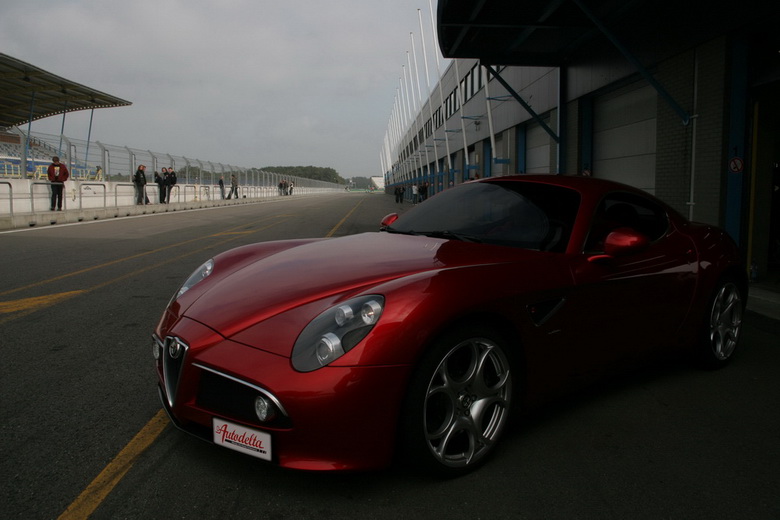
[(634, 303)]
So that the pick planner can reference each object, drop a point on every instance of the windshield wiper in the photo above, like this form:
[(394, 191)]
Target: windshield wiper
[(451, 235), (399, 232)]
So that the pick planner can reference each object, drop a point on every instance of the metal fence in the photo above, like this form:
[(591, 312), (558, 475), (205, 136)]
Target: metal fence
[(96, 161), (103, 175)]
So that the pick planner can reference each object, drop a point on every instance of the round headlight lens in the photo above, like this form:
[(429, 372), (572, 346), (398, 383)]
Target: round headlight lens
[(370, 312), (329, 348), (344, 315)]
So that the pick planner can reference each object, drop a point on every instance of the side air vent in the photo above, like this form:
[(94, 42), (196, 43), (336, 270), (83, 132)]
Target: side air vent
[(542, 311)]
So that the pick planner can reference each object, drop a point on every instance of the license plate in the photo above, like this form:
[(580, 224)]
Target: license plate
[(240, 438)]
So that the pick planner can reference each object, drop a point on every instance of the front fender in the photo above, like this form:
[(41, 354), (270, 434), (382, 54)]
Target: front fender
[(420, 308)]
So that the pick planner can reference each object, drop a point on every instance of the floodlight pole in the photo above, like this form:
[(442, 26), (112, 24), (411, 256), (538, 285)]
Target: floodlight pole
[(27, 140), (89, 136), (62, 129)]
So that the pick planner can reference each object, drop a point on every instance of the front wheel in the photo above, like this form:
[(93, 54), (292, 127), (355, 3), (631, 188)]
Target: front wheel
[(720, 336), (459, 401)]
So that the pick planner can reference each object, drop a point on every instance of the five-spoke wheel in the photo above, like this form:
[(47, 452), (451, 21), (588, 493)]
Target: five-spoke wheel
[(460, 401), (724, 324)]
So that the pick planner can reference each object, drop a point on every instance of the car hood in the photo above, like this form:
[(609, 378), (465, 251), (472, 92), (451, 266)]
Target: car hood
[(310, 271)]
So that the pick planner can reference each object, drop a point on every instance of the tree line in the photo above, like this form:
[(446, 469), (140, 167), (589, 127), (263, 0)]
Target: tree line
[(308, 172)]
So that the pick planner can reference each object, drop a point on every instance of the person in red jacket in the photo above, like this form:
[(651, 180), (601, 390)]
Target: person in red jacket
[(58, 174)]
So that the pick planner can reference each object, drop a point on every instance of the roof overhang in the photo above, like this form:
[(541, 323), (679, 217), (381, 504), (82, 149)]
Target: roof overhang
[(28, 93), (556, 32)]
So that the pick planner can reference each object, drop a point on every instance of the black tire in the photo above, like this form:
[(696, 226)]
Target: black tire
[(722, 325), (459, 402)]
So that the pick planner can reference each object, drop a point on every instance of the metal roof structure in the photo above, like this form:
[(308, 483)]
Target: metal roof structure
[(564, 33), (28, 93), (554, 33)]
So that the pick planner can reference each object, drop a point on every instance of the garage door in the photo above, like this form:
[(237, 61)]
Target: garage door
[(537, 146), (624, 137)]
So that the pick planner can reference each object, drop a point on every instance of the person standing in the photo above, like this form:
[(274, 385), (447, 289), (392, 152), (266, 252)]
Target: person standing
[(399, 194), (160, 182), (170, 182), (174, 180), (423, 191), (233, 186), (166, 176), (58, 173), (139, 179), (222, 185)]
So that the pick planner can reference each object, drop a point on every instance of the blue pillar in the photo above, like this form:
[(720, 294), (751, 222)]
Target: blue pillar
[(735, 180)]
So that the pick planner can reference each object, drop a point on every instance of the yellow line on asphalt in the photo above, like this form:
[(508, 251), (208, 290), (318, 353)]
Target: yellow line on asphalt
[(332, 231), (98, 490), (22, 312), (36, 303), (28, 305), (232, 233)]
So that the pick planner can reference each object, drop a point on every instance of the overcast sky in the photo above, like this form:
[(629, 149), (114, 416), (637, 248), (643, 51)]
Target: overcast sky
[(249, 83)]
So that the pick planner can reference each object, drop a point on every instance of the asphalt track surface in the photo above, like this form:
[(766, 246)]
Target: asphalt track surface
[(82, 433)]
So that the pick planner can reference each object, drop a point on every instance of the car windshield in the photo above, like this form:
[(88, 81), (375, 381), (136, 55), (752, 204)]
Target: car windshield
[(528, 215)]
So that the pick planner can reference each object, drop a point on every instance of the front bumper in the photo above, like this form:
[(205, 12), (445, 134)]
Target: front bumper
[(334, 418)]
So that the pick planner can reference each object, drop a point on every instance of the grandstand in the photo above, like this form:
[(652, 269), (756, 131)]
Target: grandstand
[(28, 93), (39, 156), (379, 183)]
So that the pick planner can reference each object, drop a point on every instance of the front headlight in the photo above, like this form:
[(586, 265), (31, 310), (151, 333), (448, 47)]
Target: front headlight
[(336, 331), (200, 273)]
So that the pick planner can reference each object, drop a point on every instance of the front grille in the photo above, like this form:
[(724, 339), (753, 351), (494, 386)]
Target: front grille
[(174, 351), (233, 399)]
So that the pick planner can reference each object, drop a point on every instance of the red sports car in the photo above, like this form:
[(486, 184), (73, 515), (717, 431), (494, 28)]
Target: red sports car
[(424, 338)]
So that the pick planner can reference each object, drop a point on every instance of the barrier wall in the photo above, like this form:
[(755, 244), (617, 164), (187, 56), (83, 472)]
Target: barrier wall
[(27, 202)]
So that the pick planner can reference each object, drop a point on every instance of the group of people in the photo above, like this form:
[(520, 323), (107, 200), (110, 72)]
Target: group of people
[(419, 192), (165, 182), (166, 179), (233, 186), (285, 187)]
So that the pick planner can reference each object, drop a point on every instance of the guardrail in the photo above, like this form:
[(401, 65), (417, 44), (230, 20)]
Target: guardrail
[(48, 186), (99, 184), (116, 191), (24, 196)]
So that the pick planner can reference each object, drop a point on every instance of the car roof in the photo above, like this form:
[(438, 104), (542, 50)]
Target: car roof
[(578, 183), (590, 189)]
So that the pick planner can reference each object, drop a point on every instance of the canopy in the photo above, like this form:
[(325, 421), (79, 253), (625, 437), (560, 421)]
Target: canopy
[(553, 33), (28, 93)]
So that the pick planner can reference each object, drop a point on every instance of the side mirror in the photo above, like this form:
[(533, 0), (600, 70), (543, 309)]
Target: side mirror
[(388, 221), (621, 242)]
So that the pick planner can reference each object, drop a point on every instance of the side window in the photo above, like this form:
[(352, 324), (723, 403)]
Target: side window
[(626, 210)]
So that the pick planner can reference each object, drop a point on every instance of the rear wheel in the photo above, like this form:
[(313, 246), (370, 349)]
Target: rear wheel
[(720, 336), (459, 401)]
